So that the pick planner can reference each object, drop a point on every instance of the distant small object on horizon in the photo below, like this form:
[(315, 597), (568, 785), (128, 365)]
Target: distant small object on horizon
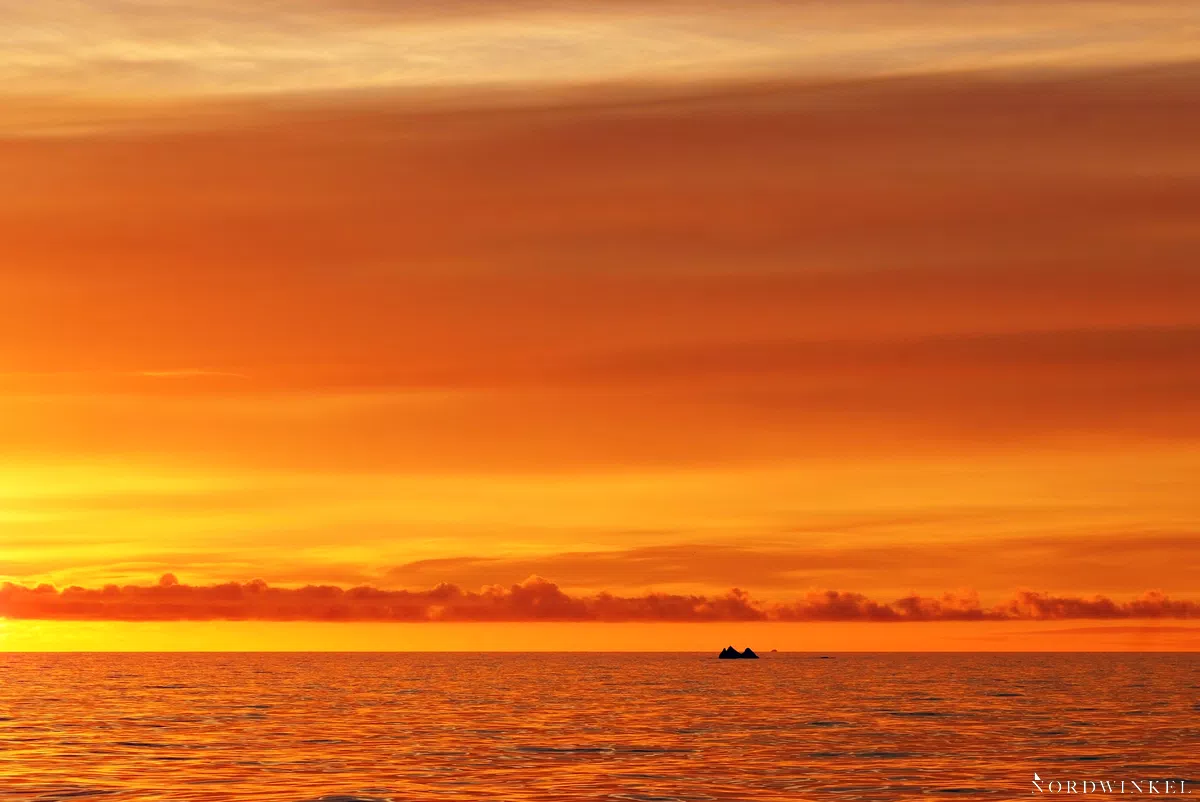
[(730, 653)]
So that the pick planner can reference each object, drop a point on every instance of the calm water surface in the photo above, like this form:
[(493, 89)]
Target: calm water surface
[(588, 726)]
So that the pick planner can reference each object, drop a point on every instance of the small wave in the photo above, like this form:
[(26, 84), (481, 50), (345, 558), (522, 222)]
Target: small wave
[(654, 750), (564, 749), (72, 793)]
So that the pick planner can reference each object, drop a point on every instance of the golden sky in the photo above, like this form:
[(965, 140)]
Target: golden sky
[(649, 300)]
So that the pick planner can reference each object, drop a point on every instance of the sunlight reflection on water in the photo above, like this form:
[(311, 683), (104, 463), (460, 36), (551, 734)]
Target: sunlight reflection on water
[(344, 727)]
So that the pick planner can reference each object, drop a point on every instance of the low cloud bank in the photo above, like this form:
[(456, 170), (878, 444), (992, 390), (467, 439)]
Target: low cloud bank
[(537, 599)]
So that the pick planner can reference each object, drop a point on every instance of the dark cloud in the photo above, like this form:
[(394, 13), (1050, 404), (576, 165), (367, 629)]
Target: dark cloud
[(537, 599)]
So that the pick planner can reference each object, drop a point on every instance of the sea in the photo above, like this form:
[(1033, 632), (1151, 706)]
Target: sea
[(345, 727)]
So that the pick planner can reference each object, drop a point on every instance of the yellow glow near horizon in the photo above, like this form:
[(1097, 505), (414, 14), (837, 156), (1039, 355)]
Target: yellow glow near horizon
[(1051, 636)]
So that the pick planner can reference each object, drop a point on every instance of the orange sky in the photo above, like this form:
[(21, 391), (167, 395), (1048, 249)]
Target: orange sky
[(889, 299)]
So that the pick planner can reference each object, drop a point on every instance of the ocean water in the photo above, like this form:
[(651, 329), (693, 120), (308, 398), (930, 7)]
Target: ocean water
[(201, 727)]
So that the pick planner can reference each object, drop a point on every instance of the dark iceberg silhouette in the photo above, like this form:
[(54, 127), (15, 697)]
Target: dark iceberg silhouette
[(730, 653)]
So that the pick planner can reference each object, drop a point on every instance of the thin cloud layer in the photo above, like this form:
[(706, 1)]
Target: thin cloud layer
[(1101, 562), (537, 599), (107, 48)]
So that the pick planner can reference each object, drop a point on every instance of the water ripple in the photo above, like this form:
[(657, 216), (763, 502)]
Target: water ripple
[(419, 728)]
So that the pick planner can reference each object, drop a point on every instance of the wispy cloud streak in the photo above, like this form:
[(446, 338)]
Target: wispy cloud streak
[(219, 48)]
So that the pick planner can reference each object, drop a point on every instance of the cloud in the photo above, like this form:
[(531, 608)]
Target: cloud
[(114, 48), (537, 599), (1042, 606), (910, 264), (1108, 562)]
